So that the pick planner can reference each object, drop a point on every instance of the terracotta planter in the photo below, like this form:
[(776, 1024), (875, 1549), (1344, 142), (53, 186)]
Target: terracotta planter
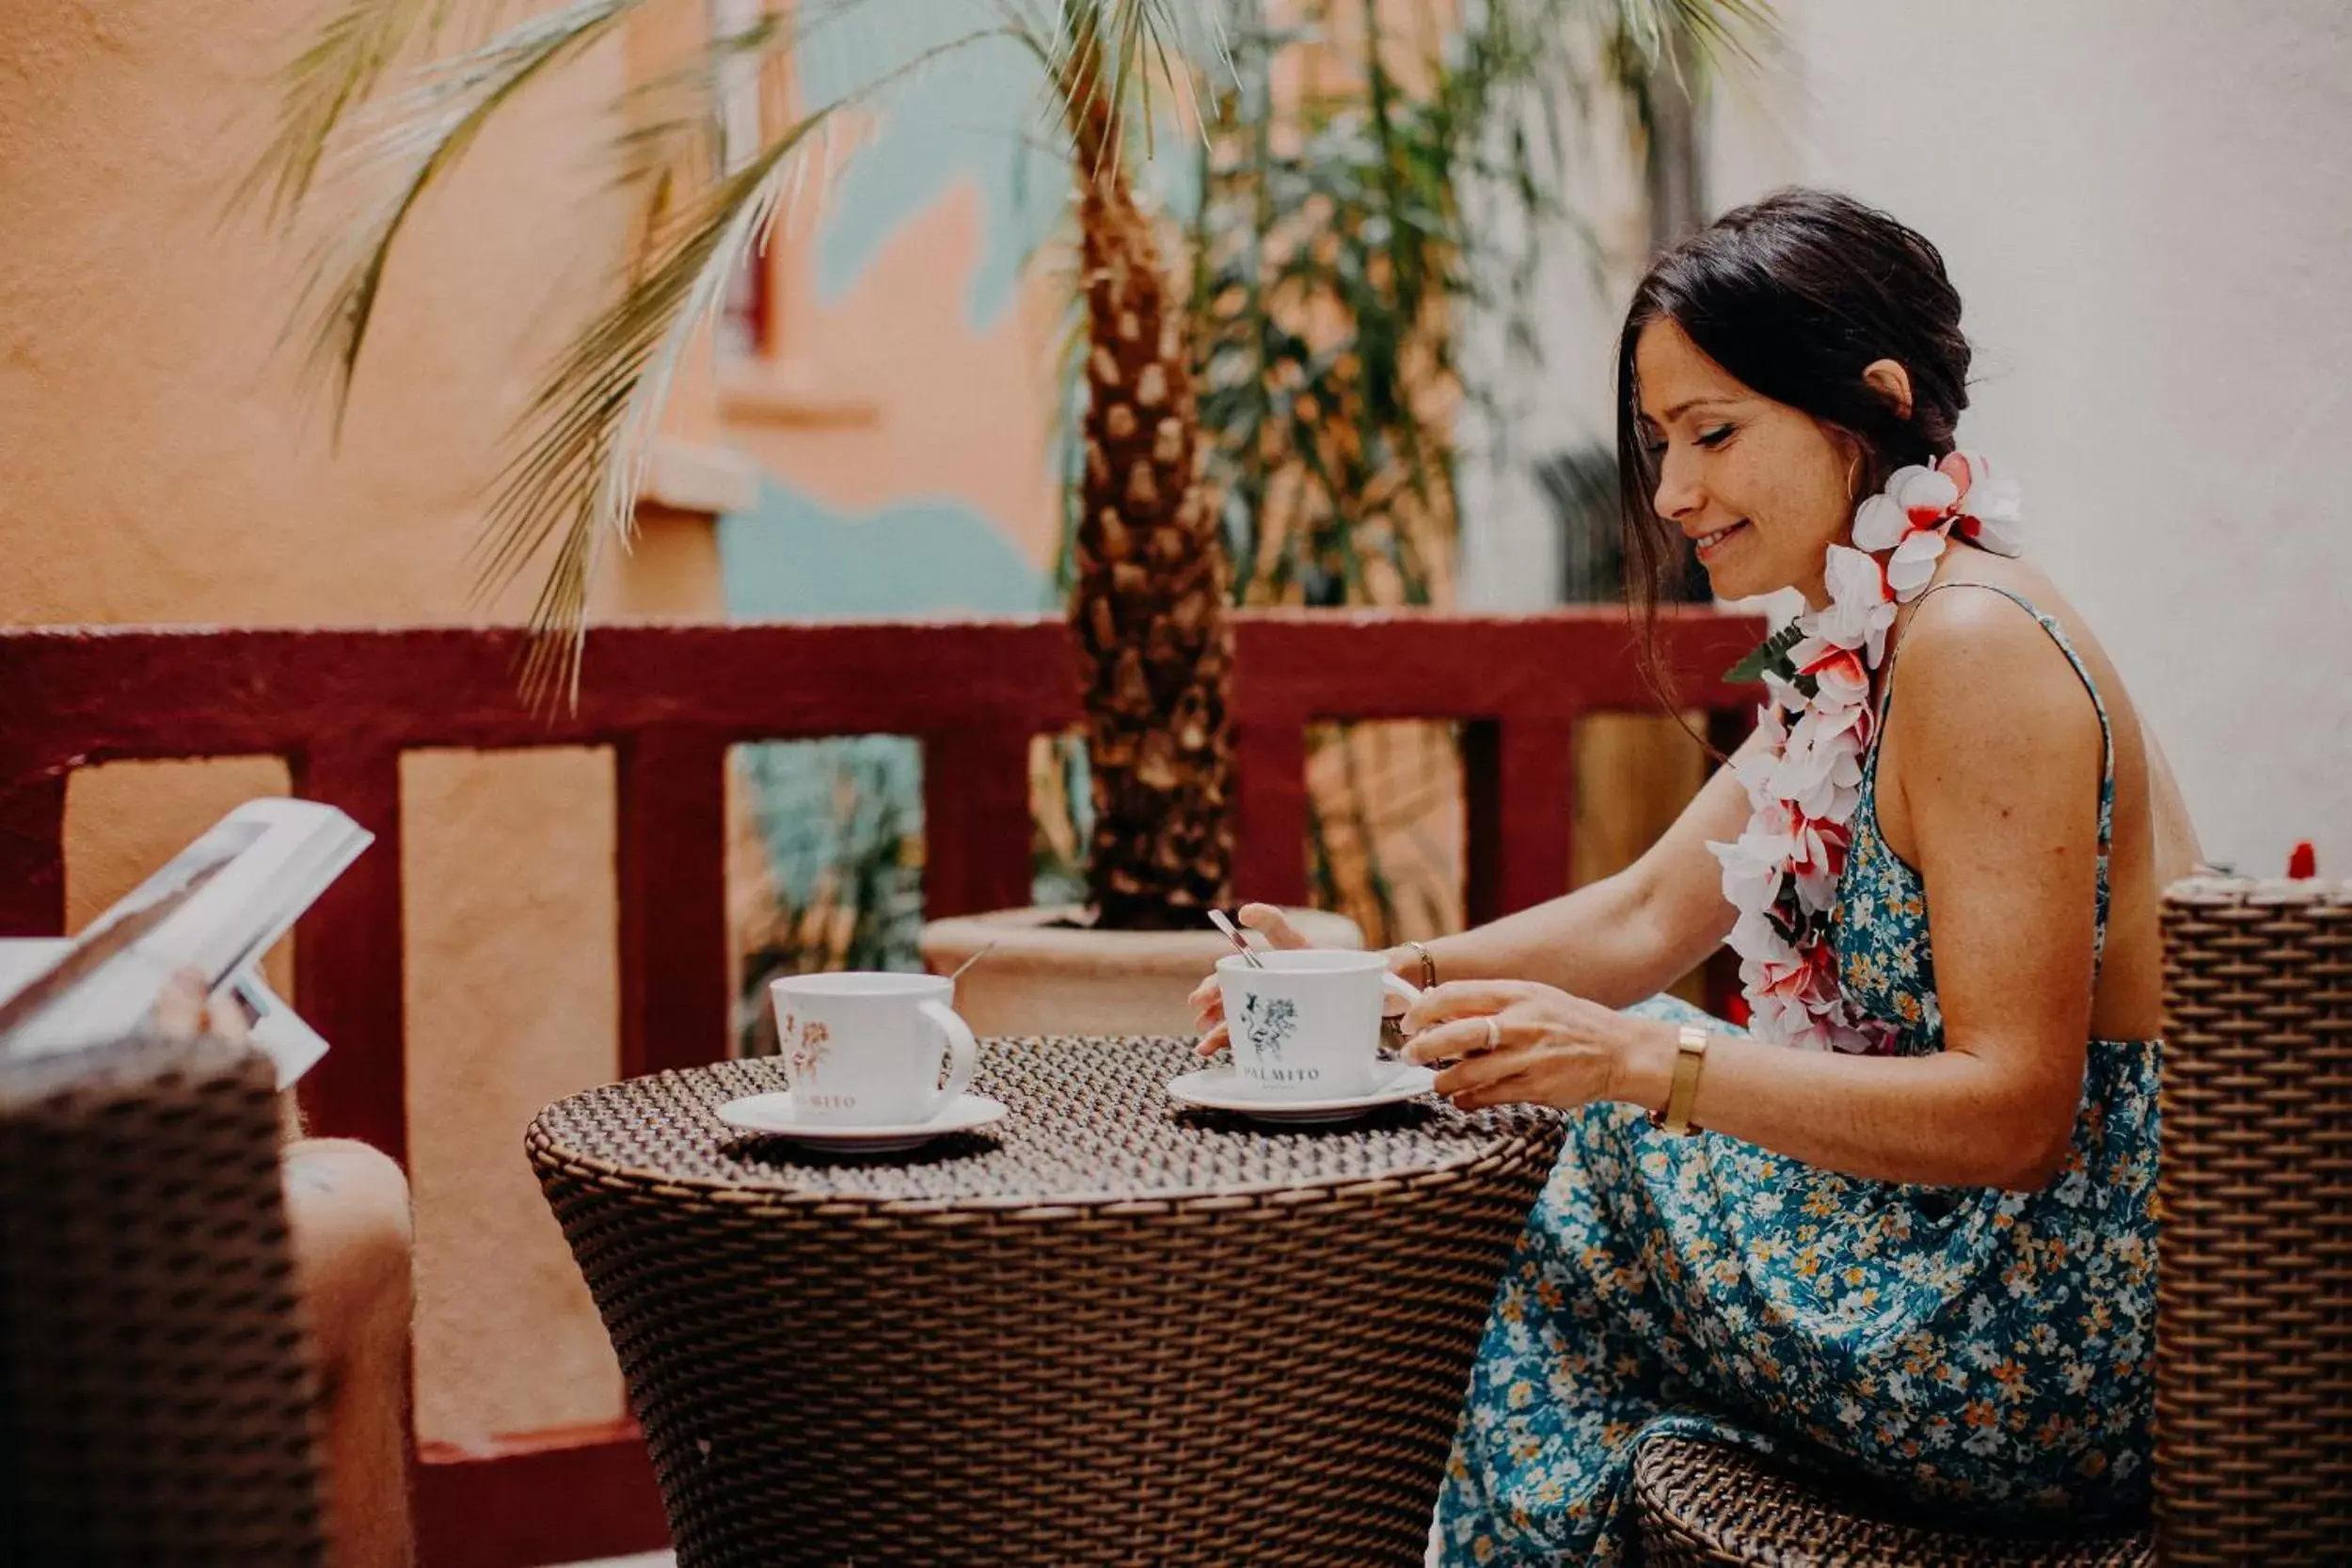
[(1048, 976)]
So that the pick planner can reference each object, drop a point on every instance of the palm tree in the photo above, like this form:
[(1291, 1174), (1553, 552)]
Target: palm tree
[(1152, 578), (1148, 600)]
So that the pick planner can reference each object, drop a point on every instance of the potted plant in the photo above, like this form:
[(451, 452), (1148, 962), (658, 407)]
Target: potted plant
[(1151, 571)]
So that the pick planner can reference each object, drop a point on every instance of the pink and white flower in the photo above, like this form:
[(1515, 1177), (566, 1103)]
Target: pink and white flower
[(1988, 510), (1754, 864), (1859, 612), (1840, 677)]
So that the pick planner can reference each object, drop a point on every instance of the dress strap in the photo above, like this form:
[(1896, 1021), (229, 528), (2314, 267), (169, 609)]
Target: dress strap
[(2106, 730)]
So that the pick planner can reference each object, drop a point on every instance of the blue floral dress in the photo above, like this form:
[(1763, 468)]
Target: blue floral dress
[(1977, 1349)]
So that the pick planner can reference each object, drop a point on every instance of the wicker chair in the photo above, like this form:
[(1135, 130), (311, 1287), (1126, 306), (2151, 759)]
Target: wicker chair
[(156, 1392), (2253, 1300), (2254, 1282), (1703, 1503)]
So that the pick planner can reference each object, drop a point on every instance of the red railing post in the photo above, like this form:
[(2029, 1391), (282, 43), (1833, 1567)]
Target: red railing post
[(1519, 780), (1270, 809), (673, 939), (32, 853), (977, 851), (348, 957)]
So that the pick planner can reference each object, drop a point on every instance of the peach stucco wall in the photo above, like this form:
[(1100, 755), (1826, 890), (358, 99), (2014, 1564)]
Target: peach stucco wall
[(157, 463), (890, 393)]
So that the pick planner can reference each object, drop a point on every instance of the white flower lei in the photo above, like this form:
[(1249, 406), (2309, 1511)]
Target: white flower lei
[(1782, 873)]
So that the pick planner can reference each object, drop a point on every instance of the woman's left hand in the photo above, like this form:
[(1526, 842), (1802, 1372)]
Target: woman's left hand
[(1517, 1042)]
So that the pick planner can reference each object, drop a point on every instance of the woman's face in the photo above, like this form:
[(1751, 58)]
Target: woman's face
[(1760, 489)]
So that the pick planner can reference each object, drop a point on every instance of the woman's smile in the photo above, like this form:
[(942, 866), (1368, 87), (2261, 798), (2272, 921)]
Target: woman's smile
[(1709, 545)]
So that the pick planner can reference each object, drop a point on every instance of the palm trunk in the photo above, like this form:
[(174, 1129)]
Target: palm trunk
[(1147, 605)]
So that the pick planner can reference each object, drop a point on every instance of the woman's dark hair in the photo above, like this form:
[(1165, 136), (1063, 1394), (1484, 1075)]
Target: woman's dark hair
[(1796, 295)]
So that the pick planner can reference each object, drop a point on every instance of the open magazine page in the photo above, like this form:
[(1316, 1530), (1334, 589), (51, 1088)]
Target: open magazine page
[(216, 907)]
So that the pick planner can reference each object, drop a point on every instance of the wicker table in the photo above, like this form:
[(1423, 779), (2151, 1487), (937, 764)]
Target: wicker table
[(1103, 1330)]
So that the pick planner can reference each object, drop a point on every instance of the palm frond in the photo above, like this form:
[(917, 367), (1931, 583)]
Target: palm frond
[(1102, 57), (591, 426), (1727, 29), (1651, 32), (401, 148), (340, 71)]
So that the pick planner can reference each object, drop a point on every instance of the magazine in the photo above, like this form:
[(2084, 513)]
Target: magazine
[(215, 908)]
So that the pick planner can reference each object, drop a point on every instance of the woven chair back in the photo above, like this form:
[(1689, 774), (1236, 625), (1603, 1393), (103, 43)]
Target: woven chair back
[(2254, 1274), (155, 1385)]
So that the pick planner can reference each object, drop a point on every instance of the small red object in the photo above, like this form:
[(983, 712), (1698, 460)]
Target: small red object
[(2303, 860)]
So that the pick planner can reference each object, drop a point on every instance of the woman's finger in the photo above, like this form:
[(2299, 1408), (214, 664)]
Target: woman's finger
[(1273, 924), (1476, 1074), (1214, 1042), (1517, 1089), (1462, 999), (225, 1019), (1464, 1037), (180, 1005)]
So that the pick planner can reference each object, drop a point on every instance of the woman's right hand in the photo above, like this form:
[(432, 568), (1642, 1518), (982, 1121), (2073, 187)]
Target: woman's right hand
[(1208, 998)]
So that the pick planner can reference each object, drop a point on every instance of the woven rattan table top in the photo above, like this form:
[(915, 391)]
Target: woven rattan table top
[(1091, 1126)]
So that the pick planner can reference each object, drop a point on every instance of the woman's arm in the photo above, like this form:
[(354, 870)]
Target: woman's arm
[(1621, 939), (1625, 937), (1999, 754)]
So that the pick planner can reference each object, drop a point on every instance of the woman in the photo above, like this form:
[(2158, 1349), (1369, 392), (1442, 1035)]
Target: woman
[(1919, 1249)]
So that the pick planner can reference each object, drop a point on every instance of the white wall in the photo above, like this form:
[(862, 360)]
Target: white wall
[(2148, 211), (1510, 549)]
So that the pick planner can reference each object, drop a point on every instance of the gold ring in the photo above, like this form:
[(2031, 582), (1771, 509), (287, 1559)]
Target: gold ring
[(1494, 1030)]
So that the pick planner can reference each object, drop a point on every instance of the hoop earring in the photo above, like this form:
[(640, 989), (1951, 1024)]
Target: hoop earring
[(1854, 480)]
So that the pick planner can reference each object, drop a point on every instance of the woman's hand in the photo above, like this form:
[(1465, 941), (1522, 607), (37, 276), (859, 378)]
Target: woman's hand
[(1208, 998), (183, 1011), (1516, 1042)]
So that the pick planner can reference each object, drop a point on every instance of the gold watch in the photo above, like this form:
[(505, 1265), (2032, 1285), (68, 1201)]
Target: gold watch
[(1690, 1056)]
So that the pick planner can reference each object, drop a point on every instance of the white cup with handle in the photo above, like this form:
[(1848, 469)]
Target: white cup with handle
[(1306, 1025), (864, 1049)]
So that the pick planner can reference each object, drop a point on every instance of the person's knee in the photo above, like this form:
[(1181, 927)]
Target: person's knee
[(347, 1211)]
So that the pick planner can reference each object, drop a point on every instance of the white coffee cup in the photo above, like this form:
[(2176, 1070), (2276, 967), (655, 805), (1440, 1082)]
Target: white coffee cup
[(862, 1049), (1307, 1027)]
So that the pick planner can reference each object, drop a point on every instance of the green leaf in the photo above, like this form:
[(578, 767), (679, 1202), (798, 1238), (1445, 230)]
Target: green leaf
[(1767, 654)]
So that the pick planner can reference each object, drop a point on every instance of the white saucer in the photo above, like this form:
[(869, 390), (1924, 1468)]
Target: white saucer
[(1223, 1089), (771, 1115)]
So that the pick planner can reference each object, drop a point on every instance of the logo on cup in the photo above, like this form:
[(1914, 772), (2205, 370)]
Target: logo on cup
[(806, 1054), (1271, 1021)]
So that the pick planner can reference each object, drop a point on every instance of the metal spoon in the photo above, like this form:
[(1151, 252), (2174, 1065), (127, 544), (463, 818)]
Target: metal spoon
[(1232, 934), (969, 962)]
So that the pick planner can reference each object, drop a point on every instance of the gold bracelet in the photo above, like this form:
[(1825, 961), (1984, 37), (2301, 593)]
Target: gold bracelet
[(1690, 1056)]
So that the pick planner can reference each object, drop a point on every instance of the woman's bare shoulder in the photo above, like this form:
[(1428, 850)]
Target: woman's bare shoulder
[(1987, 660)]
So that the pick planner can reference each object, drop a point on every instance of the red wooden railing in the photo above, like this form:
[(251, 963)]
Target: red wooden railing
[(342, 705)]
